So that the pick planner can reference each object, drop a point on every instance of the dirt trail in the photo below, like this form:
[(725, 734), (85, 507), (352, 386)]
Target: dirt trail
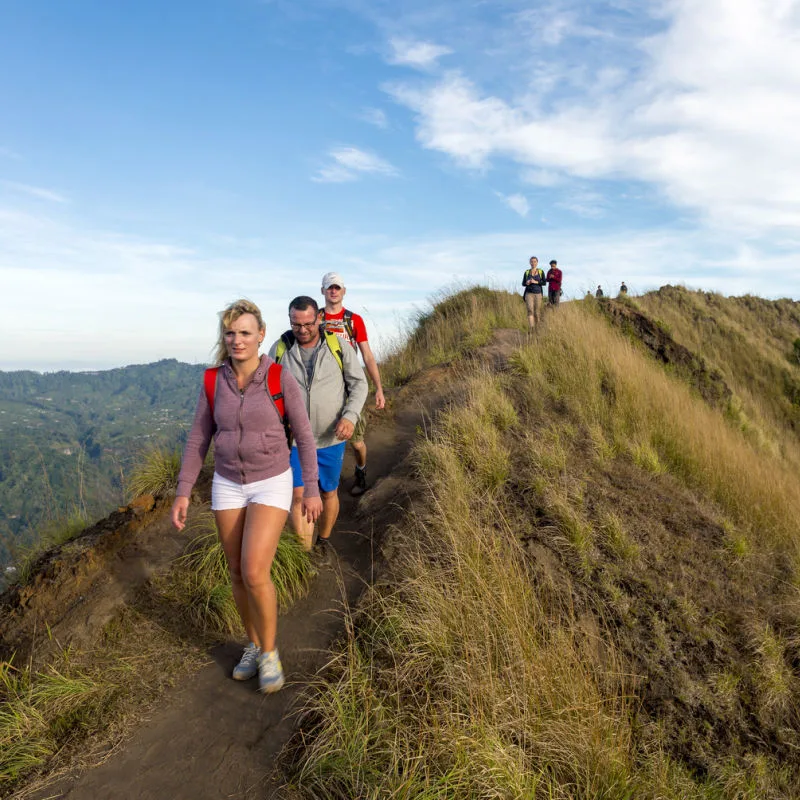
[(213, 737)]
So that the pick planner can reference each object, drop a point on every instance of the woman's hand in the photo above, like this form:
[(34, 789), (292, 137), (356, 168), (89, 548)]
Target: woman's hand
[(312, 508), (179, 510)]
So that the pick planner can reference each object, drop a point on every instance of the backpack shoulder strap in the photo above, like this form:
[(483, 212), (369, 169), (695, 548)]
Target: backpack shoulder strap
[(348, 326), (274, 388), (210, 385), (332, 340), (275, 393), (284, 343)]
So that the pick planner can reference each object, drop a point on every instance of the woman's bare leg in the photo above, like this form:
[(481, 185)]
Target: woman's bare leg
[(230, 527), (262, 530)]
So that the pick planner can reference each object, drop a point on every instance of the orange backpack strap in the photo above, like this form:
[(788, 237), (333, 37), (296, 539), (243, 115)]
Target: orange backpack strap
[(275, 392), (210, 384)]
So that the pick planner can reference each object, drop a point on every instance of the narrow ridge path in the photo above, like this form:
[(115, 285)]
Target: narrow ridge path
[(215, 738)]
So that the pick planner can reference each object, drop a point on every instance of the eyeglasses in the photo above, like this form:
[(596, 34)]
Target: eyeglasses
[(299, 326), (334, 286)]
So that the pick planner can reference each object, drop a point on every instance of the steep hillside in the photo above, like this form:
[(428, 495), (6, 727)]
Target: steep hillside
[(589, 581), (596, 596), (67, 440), (751, 341)]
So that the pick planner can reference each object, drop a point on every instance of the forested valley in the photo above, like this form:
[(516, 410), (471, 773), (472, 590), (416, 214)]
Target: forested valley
[(67, 440)]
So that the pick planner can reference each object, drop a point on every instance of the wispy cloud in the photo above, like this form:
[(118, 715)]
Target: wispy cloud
[(516, 202), (374, 116), (93, 280), (591, 205), (704, 107), (350, 163), (6, 152), (416, 54), (36, 191)]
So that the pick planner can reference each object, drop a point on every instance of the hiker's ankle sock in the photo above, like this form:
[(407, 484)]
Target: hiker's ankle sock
[(361, 469)]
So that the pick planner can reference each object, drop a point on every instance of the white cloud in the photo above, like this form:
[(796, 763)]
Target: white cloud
[(374, 116), (591, 205), (416, 54), (103, 299), (350, 163), (706, 110), (516, 202), (36, 191)]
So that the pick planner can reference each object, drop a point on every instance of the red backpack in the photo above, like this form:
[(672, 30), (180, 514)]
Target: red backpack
[(273, 386)]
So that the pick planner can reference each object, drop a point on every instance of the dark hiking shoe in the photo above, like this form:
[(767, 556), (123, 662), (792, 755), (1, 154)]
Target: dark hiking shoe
[(360, 484), (323, 549)]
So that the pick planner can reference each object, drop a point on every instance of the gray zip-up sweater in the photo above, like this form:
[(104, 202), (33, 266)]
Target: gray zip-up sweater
[(334, 393), (249, 440)]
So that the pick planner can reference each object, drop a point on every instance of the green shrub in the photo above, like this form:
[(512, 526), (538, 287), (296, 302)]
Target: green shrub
[(155, 472)]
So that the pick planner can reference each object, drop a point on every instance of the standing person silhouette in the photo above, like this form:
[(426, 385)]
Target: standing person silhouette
[(251, 492), (334, 390), (350, 328), (554, 284), (534, 281)]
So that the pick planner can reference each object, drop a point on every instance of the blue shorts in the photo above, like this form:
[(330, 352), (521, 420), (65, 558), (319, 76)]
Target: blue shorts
[(329, 464)]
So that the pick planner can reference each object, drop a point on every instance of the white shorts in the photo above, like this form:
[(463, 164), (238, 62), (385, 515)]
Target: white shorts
[(276, 492)]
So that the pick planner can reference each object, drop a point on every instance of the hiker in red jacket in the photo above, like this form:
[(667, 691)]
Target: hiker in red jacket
[(553, 279), (251, 494)]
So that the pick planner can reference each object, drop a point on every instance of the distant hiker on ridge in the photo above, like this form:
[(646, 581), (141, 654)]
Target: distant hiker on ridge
[(335, 389), (599, 292), (350, 328), (241, 406), (623, 289), (553, 284), (533, 280)]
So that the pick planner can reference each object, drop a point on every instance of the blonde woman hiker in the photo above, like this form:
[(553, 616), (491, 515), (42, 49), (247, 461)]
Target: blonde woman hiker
[(350, 328), (534, 281), (244, 405)]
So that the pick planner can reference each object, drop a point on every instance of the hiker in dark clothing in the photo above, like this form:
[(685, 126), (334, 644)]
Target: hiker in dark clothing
[(599, 292), (533, 280), (553, 284), (623, 289)]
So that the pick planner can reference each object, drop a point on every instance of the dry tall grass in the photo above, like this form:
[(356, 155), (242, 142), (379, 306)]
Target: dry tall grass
[(454, 327), (472, 676), (751, 341), (467, 680), (604, 382), (200, 584)]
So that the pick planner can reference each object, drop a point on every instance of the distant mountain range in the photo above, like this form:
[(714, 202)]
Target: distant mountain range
[(67, 439)]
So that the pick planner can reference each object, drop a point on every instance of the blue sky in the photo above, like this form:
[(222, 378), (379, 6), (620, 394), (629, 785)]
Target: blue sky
[(158, 160)]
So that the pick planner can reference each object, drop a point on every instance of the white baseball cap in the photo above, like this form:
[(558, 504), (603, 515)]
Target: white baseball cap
[(332, 279)]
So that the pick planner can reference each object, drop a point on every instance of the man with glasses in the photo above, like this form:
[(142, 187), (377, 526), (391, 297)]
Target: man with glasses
[(335, 390), (350, 328)]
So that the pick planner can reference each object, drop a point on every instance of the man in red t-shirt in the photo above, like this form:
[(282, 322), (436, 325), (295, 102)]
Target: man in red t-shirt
[(350, 328), (553, 279)]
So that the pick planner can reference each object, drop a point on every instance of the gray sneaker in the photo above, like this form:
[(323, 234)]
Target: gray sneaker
[(248, 665), (270, 672)]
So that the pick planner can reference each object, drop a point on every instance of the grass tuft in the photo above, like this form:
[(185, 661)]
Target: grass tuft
[(154, 472), (201, 582)]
